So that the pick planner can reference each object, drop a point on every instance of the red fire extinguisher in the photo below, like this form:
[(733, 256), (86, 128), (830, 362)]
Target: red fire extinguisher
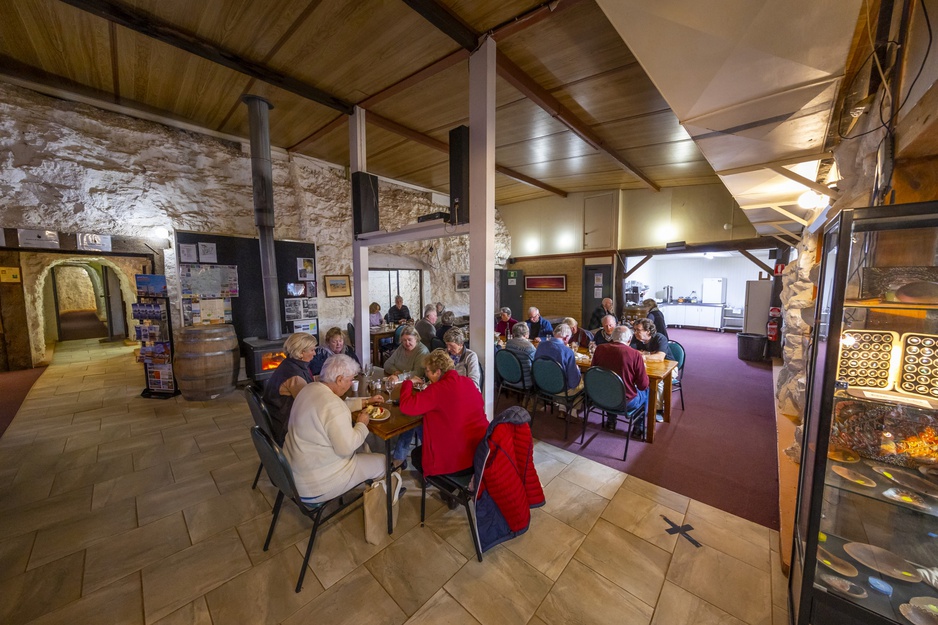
[(771, 329)]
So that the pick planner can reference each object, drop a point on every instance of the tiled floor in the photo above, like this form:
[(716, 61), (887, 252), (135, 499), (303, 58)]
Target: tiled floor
[(117, 509)]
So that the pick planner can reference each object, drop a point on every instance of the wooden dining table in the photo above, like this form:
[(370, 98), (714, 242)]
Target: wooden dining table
[(378, 333), (657, 371)]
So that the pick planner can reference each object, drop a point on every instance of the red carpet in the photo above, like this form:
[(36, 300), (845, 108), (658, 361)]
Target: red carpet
[(720, 451), (81, 324), (14, 386)]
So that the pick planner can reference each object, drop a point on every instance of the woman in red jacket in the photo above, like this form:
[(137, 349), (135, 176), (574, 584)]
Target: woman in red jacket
[(454, 419)]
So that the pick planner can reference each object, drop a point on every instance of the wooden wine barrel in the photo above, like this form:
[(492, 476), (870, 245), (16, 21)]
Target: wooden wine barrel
[(207, 361)]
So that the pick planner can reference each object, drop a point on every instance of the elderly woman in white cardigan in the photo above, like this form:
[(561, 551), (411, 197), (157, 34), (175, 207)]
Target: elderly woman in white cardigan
[(323, 439)]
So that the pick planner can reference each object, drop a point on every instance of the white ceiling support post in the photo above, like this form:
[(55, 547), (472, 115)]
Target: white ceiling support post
[(358, 162), (482, 213)]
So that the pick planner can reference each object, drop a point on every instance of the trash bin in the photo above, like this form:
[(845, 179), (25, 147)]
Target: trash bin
[(750, 346)]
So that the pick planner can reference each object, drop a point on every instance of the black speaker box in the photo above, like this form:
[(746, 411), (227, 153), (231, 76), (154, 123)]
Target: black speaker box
[(459, 175), (364, 202)]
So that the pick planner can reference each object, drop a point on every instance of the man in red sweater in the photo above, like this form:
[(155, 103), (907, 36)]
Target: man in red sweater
[(627, 363)]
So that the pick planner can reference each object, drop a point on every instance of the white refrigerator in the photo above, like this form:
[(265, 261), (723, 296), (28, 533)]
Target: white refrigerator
[(714, 291), (758, 296)]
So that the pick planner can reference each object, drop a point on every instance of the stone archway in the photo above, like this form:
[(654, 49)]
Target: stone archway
[(37, 267)]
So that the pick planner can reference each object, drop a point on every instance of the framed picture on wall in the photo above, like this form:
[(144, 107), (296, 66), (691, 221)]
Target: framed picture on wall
[(338, 286), (545, 283), (462, 281)]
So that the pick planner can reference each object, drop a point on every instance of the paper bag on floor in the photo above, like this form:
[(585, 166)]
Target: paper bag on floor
[(376, 508)]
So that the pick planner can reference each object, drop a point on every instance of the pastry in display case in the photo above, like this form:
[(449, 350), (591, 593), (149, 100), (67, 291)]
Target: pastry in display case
[(866, 529)]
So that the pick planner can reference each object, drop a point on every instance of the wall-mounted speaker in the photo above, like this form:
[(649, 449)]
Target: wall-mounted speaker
[(459, 175), (364, 202)]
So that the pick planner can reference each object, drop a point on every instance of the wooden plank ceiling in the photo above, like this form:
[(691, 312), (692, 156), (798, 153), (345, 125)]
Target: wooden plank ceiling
[(572, 62)]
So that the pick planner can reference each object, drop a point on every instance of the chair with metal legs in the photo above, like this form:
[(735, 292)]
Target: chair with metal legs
[(551, 386), (606, 391), (261, 419), (680, 355)]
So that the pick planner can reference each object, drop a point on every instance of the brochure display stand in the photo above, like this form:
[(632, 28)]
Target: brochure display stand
[(155, 333)]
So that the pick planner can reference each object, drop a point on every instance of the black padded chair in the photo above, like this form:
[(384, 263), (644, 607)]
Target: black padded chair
[(679, 355), (350, 330), (606, 391), (437, 343), (510, 376), (550, 383), (281, 475), (262, 420), (457, 487)]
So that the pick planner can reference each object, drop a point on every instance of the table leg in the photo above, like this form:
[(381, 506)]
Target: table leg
[(375, 352), (387, 456), (667, 398), (650, 413)]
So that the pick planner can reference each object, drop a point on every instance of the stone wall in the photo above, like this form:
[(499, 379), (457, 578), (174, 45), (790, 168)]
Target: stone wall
[(74, 168), (74, 289)]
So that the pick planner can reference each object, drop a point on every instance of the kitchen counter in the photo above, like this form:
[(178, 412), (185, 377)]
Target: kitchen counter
[(688, 304)]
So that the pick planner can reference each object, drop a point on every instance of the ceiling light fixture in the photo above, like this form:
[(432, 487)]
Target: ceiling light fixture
[(812, 199)]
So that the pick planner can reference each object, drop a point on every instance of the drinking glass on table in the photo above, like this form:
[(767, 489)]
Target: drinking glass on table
[(592, 348)]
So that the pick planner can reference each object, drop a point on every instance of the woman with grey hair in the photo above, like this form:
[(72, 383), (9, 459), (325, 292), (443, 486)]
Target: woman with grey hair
[(465, 361), (520, 346), (447, 321), (407, 359), (291, 375), (323, 438)]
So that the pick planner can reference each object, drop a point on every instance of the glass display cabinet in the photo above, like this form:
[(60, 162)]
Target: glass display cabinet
[(866, 533)]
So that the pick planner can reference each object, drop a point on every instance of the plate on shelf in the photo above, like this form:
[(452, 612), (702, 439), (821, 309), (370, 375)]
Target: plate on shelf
[(852, 476), (842, 454), (885, 562), (907, 497), (918, 614), (909, 480), (838, 565), (843, 586)]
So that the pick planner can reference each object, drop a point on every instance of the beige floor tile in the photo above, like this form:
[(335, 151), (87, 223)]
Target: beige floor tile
[(26, 491), (642, 516), (414, 567), (245, 450), (340, 547), (195, 613), (723, 537), (178, 448), (104, 435), (501, 589), (71, 429), (561, 455), (548, 545), (173, 498), (779, 582), (64, 538), (357, 600), (48, 466), (87, 475), (235, 476), (731, 585), (581, 595), (157, 425), (536, 620), (292, 527), (238, 420), (265, 594), (112, 559), (625, 559), (679, 607), (14, 555), (203, 463), (774, 540), (224, 437), (442, 608), (45, 513), (663, 496), (574, 505), (113, 449), (193, 428), (754, 533), (118, 603), (779, 616), (593, 476), (131, 485), (453, 527), (182, 577), (37, 592), (222, 512), (548, 468)]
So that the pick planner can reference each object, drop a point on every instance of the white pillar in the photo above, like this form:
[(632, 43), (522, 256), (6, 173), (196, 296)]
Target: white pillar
[(358, 162), (482, 213)]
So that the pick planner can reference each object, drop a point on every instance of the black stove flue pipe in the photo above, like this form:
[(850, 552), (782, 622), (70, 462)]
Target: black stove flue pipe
[(262, 179)]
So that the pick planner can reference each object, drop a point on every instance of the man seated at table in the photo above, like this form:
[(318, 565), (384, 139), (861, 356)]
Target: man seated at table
[(398, 312), (596, 320), (334, 344), (505, 322), (604, 335), (426, 326), (556, 349), (578, 336), (520, 346), (323, 438), (648, 340), (407, 359), (628, 364), (454, 420), (539, 328)]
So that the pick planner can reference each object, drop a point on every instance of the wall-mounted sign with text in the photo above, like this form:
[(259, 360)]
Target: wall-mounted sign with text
[(94, 242), (48, 239), (9, 274)]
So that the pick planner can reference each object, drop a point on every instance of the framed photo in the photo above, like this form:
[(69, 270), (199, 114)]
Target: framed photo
[(338, 286), (462, 281), (296, 289), (545, 283)]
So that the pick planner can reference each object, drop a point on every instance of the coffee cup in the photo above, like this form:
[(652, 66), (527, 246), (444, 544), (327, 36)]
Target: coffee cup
[(355, 386)]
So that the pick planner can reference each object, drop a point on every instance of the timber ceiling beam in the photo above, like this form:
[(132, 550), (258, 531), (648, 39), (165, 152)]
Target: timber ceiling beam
[(758, 262), (463, 34), (150, 26)]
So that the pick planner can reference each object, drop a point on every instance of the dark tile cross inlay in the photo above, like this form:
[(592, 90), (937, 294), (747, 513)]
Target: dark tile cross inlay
[(683, 530)]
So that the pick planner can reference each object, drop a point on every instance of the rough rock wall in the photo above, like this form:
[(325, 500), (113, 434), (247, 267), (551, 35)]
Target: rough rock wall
[(74, 290), (74, 168)]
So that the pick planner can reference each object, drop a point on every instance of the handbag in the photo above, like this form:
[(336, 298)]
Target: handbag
[(375, 506)]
